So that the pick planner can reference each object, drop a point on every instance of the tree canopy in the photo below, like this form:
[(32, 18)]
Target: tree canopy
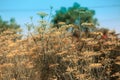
[(74, 15), (8, 24)]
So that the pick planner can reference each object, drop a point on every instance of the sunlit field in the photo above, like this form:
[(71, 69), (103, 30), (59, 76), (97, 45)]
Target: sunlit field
[(67, 44), (56, 54)]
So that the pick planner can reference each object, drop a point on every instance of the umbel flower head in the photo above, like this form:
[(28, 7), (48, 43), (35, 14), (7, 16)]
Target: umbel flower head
[(42, 14)]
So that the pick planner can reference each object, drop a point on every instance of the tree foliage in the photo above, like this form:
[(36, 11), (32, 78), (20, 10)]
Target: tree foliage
[(8, 24), (74, 15)]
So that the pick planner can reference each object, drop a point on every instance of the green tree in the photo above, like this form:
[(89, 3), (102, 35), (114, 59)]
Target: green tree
[(13, 24), (74, 15), (8, 24)]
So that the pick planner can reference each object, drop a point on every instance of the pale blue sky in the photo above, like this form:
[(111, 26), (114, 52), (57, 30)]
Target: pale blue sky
[(107, 11)]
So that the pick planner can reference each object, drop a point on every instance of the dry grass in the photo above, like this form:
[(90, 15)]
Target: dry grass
[(56, 55)]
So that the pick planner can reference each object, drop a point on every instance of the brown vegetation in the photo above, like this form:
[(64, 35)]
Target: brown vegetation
[(56, 55)]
